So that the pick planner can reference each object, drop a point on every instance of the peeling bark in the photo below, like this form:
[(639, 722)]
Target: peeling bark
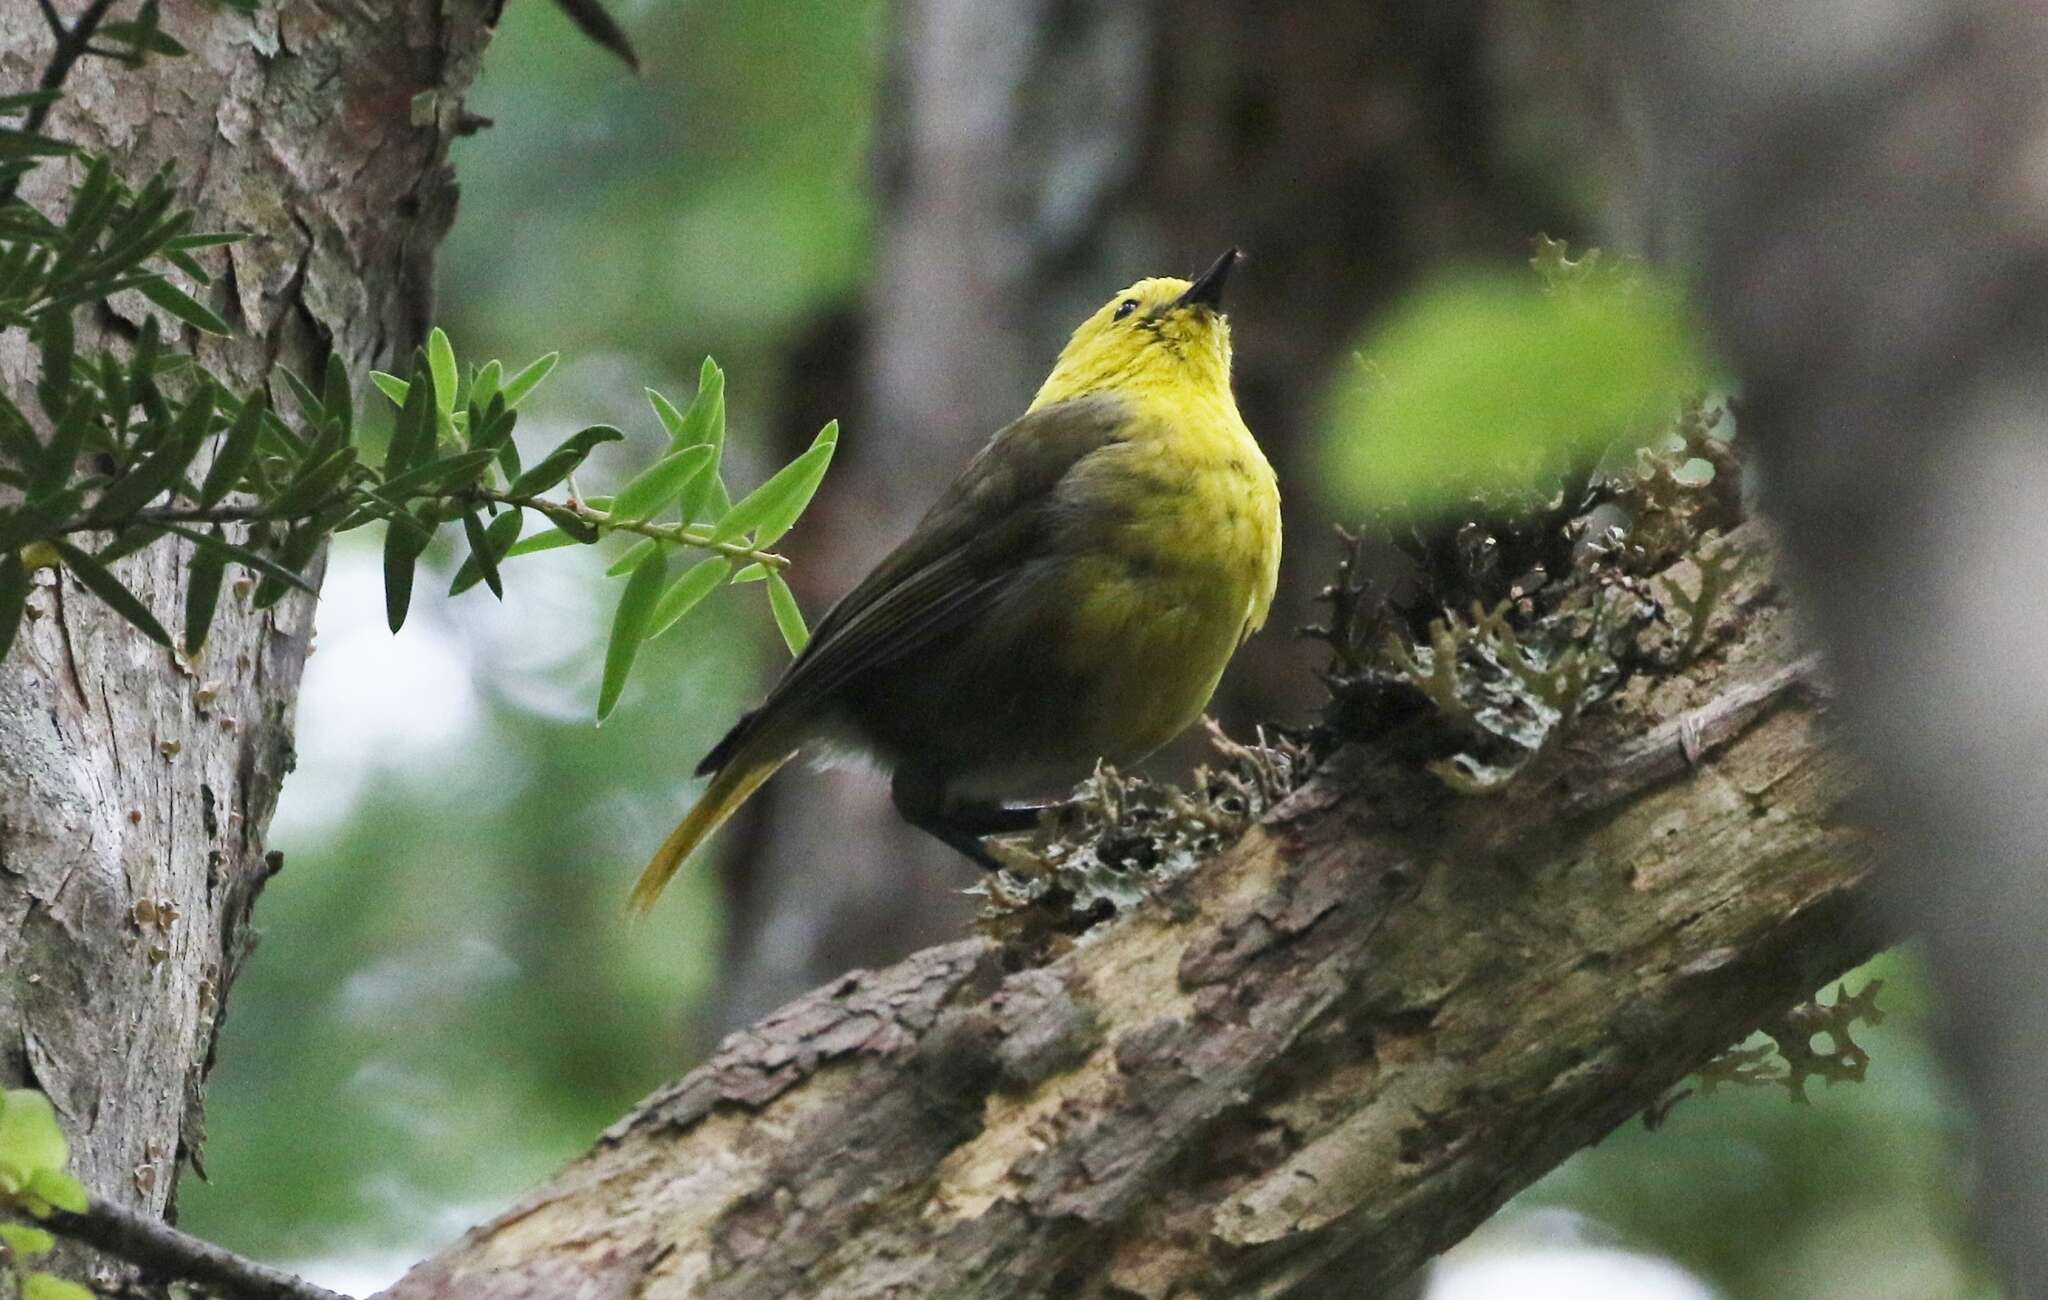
[(135, 789), (1303, 1070)]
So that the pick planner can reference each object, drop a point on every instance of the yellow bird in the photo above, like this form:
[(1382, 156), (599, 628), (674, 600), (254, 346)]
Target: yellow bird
[(1073, 597)]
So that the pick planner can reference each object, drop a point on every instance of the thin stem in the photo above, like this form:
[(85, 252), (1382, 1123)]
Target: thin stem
[(681, 534), (166, 1252), (570, 513)]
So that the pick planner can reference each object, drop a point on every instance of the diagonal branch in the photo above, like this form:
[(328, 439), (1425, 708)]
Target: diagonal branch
[(1304, 1069), (162, 1251)]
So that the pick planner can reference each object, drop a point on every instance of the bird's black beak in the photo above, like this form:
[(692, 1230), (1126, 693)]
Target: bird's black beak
[(1207, 290)]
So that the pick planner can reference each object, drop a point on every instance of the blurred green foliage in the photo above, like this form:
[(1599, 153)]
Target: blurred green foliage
[(1489, 381)]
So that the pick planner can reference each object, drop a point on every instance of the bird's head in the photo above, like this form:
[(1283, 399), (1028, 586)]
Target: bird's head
[(1164, 334)]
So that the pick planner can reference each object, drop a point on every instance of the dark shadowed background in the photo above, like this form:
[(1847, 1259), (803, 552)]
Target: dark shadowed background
[(892, 215)]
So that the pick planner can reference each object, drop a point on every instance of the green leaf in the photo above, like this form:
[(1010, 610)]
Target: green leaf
[(562, 461), (14, 585), (441, 362), (752, 573), (448, 474), (182, 305), (552, 539), (205, 239), (338, 395), (660, 483), (47, 1286), (682, 595), (402, 548), (314, 483), (253, 560), (412, 436), (100, 582), (487, 546), (789, 620), (202, 591), (26, 1242), (53, 470), (704, 422), (391, 386), (629, 628), (1488, 383), (519, 385), (784, 516), (162, 467), (237, 446), (631, 558), (59, 1189), (486, 383), (29, 1136), (784, 495)]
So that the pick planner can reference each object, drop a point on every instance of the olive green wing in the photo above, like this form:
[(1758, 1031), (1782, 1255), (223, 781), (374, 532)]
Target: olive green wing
[(962, 555)]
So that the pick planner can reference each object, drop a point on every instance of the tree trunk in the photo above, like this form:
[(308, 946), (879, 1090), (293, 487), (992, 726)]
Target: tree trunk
[(1868, 197), (1301, 1071), (1034, 158), (135, 789)]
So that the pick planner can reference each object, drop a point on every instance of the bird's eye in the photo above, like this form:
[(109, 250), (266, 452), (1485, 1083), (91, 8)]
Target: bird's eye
[(1125, 308)]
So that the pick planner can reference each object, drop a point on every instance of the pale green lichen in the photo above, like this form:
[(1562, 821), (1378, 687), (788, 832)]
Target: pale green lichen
[(1121, 837)]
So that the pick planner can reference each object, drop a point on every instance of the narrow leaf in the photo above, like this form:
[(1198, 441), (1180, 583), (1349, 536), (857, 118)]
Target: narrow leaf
[(682, 595), (236, 448), (787, 488), (660, 483), (337, 395), (781, 519), (401, 557), (629, 628), (441, 361), (562, 461), (631, 558), (182, 305), (551, 540), (253, 560), (789, 620), (412, 437), (486, 384), (487, 545), (391, 386), (96, 579), (519, 385), (202, 592)]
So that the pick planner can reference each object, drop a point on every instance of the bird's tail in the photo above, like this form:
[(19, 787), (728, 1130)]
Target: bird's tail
[(738, 778)]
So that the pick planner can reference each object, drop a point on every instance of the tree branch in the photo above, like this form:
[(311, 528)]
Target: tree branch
[(1302, 1070), (163, 1251)]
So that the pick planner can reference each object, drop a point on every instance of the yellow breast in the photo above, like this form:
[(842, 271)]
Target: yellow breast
[(1177, 565)]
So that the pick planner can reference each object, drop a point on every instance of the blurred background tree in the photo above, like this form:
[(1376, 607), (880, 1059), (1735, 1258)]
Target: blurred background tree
[(892, 214)]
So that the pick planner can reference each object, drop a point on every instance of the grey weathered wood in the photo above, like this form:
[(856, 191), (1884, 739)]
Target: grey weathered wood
[(1322, 1058), (135, 788)]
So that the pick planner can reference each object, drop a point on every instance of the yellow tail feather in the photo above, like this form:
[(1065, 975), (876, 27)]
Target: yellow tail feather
[(727, 791)]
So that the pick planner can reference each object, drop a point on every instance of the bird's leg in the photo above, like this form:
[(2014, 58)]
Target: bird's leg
[(921, 799)]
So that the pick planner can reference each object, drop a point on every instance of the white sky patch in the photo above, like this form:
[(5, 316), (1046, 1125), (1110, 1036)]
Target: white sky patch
[(1562, 1273), (370, 698)]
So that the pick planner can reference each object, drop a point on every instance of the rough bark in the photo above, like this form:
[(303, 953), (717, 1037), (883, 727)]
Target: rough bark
[(1321, 1058), (1032, 158), (135, 788), (1865, 188)]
